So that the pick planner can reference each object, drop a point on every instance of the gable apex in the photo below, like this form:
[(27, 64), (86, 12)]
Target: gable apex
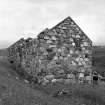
[(68, 19), (69, 24)]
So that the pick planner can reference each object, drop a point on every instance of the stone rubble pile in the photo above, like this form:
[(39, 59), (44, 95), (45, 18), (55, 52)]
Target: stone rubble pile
[(61, 54)]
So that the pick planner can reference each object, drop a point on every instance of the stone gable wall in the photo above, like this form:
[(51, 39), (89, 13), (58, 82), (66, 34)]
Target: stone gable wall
[(63, 54)]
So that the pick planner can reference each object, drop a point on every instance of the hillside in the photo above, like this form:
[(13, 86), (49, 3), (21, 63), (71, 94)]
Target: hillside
[(99, 59), (3, 52)]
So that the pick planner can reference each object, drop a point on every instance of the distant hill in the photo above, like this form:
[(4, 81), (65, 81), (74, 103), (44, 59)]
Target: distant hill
[(99, 59), (99, 56), (3, 52)]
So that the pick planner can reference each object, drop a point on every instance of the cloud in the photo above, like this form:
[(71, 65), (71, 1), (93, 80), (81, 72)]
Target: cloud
[(20, 18), (93, 28)]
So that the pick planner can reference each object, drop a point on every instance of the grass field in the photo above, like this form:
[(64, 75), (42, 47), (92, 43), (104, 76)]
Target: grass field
[(16, 92)]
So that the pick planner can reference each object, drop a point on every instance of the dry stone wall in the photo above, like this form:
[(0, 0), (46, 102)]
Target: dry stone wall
[(61, 54)]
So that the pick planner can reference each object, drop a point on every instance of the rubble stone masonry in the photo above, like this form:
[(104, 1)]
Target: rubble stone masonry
[(60, 54)]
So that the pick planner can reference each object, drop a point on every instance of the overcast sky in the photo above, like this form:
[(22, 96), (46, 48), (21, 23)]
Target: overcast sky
[(27, 18)]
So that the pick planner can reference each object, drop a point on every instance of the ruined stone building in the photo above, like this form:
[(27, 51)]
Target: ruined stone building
[(62, 53)]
